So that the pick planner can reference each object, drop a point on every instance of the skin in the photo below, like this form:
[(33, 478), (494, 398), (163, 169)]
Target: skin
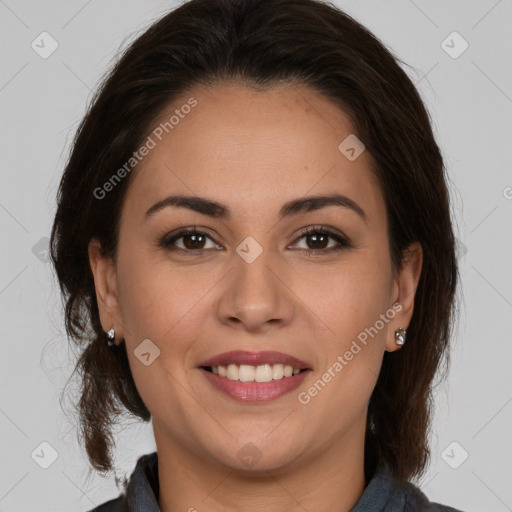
[(254, 151)]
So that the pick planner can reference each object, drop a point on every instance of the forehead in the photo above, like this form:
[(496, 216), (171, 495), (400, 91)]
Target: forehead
[(253, 150)]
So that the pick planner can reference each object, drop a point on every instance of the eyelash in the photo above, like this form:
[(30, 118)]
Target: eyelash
[(167, 243)]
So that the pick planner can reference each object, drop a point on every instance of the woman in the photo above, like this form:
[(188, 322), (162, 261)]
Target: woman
[(254, 241)]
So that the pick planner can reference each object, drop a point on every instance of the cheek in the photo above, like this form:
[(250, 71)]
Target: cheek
[(154, 297), (351, 347), (159, 304), (349, 313), (348, 298), (167, 306)]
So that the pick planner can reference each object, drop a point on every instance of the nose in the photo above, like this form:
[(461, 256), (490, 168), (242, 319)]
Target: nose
[(257, 296)]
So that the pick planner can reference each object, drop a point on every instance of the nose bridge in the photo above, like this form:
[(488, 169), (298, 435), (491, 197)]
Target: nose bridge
[(256, 294), (253, 277)]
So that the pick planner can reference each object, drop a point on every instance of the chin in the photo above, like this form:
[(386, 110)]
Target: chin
[(259, 456)]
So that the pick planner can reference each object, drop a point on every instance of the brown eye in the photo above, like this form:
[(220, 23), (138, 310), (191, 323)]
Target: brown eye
[(192, 241), (317, 240)]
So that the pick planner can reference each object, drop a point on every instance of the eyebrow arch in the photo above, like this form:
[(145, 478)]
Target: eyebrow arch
[(218, 210)]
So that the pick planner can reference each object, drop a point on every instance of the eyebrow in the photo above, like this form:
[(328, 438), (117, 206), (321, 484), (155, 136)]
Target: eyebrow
[(221, 211)]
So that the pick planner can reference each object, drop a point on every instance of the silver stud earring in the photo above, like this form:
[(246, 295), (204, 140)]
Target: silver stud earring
[(111, 336), (400, 335)]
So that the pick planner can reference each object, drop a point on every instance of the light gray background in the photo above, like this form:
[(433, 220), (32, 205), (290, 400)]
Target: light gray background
[(41, 102)]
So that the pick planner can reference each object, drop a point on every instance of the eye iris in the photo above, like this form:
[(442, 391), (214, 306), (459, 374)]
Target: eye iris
[(315, 237), (316, 240), (195, 238)]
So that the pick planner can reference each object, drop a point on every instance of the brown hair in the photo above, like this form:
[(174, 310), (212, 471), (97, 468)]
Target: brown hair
[(261, 43)]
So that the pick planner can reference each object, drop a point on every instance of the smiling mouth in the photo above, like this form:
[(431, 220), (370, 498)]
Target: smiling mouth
[(249, 373)]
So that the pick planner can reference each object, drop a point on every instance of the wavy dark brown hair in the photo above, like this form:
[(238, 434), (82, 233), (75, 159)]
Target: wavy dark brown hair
[(262, 43)]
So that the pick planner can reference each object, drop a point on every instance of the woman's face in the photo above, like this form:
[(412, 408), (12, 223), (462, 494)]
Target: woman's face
[(247, 282)]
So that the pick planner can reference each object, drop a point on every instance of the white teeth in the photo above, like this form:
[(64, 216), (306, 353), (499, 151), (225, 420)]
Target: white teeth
[(233, 373), (249, 373), (277, 371), (246, 373), (263, 373)]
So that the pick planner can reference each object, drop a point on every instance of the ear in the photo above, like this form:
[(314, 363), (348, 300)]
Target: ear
[(404, 291), (105, 283)]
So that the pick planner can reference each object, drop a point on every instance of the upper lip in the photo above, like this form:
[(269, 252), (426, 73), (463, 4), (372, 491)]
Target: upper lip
[(255, 359)]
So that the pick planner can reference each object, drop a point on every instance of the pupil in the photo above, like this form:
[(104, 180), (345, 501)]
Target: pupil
[(194, 244), (315, 237)]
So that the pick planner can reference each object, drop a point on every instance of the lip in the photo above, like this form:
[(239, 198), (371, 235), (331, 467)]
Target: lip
[(255, 391), (255, 359)]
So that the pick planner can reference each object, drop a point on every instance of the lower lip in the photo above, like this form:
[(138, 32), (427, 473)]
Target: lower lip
[(255, 391)]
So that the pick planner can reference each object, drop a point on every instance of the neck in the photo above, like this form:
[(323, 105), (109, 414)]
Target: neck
[(332, 479)]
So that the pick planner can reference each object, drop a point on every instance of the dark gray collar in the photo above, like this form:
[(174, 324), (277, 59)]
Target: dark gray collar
[(381, 493)]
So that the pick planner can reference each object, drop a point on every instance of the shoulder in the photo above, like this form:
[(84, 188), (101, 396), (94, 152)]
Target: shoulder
[(116, 505), (141, 490), (416, 501), (385, 494)]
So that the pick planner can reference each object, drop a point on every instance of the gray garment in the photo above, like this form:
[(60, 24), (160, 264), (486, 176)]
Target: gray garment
[(380, 495)]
